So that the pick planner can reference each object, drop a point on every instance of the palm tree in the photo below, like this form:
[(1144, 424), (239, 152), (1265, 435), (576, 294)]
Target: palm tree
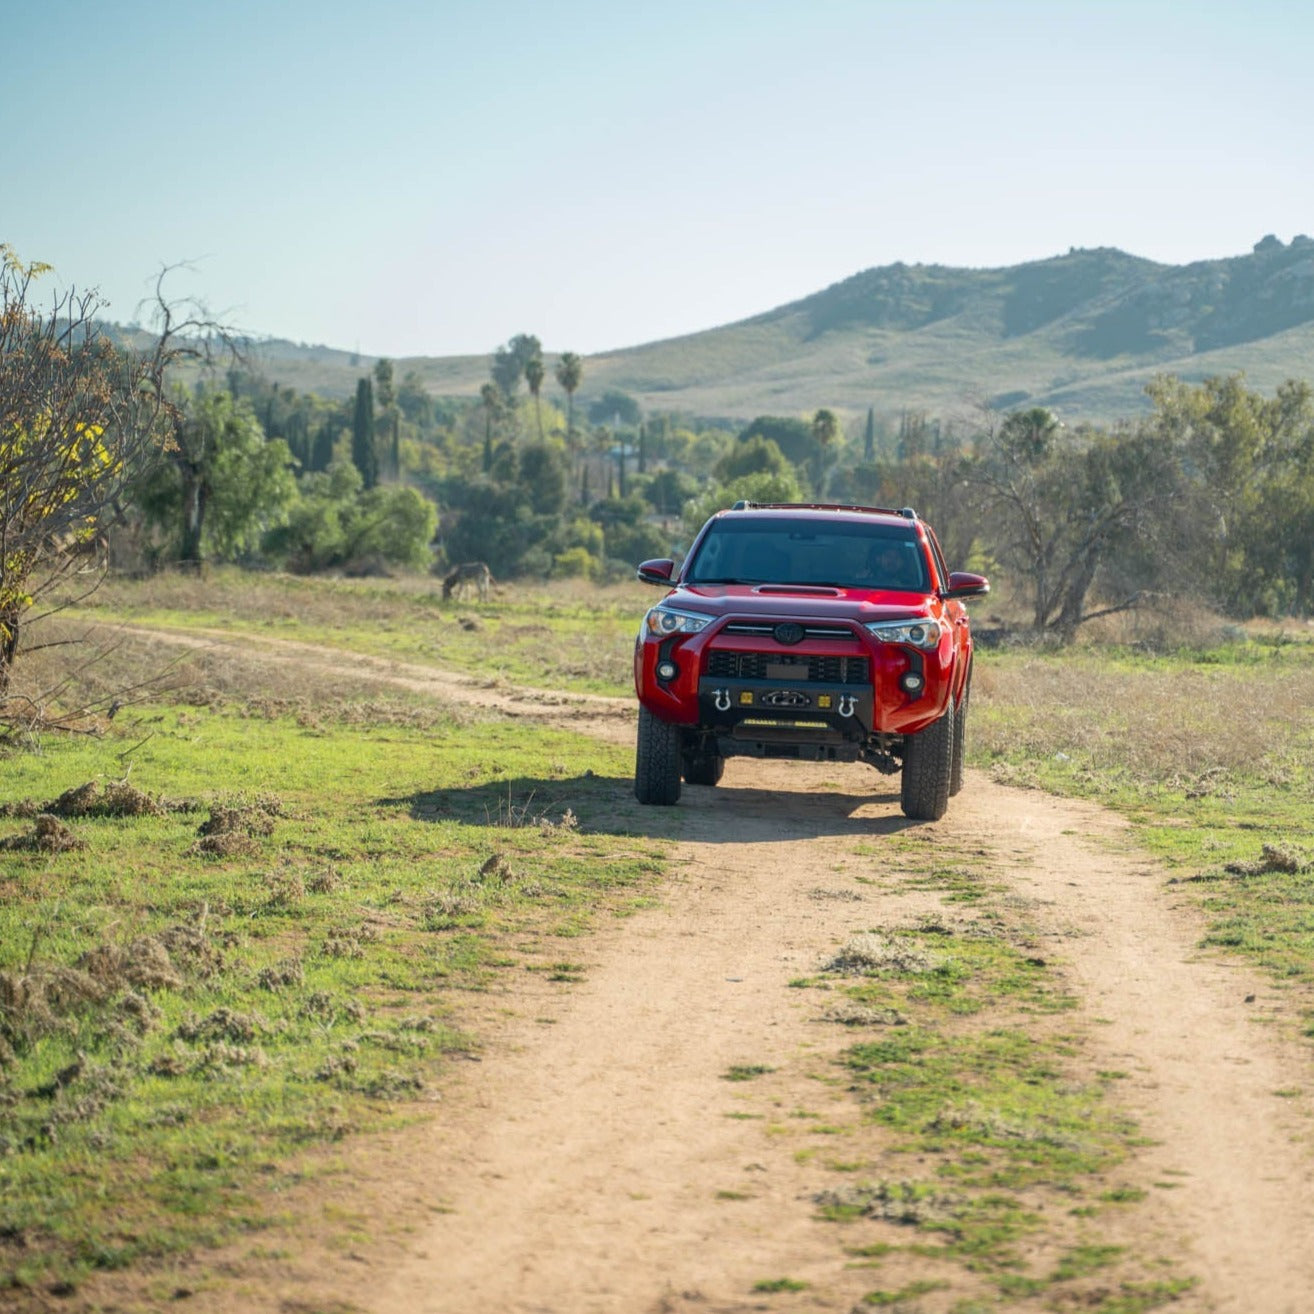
[(825, 429), (570, 372), (534, 377)]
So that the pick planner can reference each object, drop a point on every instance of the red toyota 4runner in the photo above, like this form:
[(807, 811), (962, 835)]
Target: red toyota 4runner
[(825, 633)]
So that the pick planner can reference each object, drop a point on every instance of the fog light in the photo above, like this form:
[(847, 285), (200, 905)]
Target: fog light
[(667, 670), (911, 683), (745, 698)]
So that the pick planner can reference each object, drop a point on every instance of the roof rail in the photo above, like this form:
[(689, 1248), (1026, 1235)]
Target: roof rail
[(744, 505)]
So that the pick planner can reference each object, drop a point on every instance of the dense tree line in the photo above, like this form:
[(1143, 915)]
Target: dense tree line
[(1208, 495)]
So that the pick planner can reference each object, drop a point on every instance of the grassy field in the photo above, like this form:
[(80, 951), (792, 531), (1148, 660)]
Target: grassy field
[(566, 635), (240, 924), (1209, 752), (242, 921)]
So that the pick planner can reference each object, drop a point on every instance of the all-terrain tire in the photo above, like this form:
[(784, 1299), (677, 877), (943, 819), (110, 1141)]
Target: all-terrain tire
[(960, 743), (928, 763), (703, 768), (657, 760)]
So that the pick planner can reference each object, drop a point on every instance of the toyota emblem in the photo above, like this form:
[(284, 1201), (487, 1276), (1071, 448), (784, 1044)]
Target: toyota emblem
[(788, 633)]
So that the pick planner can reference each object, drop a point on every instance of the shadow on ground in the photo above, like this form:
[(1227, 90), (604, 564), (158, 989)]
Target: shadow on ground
[(606, 805)]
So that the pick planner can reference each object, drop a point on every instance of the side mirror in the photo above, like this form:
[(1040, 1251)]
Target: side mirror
[(964, 584), (657, 572)]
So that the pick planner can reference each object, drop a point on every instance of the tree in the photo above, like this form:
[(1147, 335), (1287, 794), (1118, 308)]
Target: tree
[(543, 476), (615, 408), (1058, 506), (534, 373), (570, 374), (80, 419), (337, 522), (221, 485), (363, 454), (490, 396), (384, 393), (509, 362), (756, 455), (763, 486), (869, 437)]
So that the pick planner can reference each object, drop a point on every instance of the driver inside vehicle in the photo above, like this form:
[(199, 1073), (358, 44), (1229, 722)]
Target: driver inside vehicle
[(892, 566)]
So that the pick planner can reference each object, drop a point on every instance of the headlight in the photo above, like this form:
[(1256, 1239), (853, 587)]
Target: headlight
[(669, 620), (919, 633)]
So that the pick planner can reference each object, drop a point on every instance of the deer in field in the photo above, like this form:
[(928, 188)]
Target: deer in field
[(470, 574)]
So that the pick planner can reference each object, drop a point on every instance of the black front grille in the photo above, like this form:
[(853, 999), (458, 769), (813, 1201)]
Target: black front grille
[(725, 665), (764, 629)]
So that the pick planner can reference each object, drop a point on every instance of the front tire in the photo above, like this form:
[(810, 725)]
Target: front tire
[(928, 763), (657, 760)]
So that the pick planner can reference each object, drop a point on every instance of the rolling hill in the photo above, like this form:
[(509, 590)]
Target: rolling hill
[(1080, 332)]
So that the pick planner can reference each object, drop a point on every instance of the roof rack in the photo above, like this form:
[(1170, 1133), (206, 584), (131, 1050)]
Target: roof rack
[(743, 505)]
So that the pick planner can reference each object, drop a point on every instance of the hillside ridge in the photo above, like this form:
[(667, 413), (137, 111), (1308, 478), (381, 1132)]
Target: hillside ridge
[(1081, 332)]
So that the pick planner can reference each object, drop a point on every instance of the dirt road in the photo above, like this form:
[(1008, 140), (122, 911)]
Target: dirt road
[(597, 1161)]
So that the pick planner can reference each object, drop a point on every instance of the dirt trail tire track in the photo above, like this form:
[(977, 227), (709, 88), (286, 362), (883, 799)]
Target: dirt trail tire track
[(589, 1167)]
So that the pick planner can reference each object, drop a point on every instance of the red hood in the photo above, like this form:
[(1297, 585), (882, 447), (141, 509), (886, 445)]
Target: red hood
[(831, 604)]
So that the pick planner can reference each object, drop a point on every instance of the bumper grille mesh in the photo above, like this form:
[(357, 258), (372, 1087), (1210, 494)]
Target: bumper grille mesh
[(725, 665)]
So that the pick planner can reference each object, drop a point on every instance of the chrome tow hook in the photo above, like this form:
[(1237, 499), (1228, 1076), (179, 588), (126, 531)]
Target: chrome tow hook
[(847, 704), (721, 699)]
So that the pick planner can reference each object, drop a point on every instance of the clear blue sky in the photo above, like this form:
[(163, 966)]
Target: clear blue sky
[(431, 177)]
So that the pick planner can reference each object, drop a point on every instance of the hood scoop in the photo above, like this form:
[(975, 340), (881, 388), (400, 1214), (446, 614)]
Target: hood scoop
[(814, 590)]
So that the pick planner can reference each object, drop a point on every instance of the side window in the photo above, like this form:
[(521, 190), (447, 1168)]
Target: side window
[(940, 568)]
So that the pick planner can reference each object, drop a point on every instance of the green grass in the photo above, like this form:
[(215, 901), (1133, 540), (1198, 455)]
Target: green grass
[(184, 1034), (567, 636)]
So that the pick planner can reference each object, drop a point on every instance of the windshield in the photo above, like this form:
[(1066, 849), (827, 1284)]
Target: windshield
[(843, 554)]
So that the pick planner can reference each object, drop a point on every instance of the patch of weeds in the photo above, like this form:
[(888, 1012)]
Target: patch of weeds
[(1141, 1297), (772, 1286), (1086, 1259), (232, 828), (48, 835), (884, 1299), (745, 1071), (863, 1015), (874, 954), (568, 972)]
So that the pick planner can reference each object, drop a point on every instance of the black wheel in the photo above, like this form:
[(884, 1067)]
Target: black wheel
[(928, 763), (960, 743), (657, 760), (703, 768)]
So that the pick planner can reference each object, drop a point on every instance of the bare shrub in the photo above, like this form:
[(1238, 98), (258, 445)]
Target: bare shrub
[(232, 828), (288, 972), (895, 1202), (49, 835), (870, 954), (324, 882), (35, 1000), (222, 1025), (1272, 857), (144, 963), (286, 888)]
